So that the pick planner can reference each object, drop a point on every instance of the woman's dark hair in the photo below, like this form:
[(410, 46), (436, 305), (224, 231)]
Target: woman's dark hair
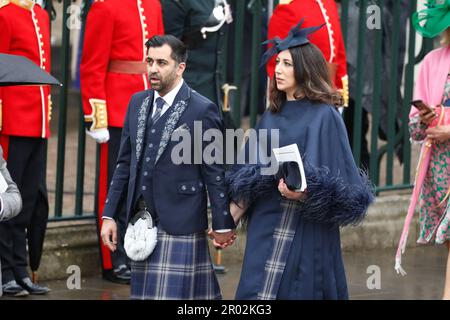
[(312, 77), (179, 50)]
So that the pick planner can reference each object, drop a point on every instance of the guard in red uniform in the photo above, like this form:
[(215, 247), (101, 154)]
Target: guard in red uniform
[(328, 39), (25, 115), (112, 69)]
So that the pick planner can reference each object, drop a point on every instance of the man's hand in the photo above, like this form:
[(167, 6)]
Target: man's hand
[(222, 240), (109, 234), (439, 133), (99, 135)]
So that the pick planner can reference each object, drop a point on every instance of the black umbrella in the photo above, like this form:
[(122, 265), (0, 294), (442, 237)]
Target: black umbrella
[(17, 70)]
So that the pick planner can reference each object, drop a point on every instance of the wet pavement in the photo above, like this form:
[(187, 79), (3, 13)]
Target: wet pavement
[(375, 269)]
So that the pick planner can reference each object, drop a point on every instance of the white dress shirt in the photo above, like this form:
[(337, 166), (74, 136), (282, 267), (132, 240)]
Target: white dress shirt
[(168, 98)]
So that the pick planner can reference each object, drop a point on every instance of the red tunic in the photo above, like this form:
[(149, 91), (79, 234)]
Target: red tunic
[(116, 30), (25, 31)]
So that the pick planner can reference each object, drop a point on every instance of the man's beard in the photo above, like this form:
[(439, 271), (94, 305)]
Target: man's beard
[(164, 85)]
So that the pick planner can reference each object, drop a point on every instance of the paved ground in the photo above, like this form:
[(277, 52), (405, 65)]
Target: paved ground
[(424, 281)]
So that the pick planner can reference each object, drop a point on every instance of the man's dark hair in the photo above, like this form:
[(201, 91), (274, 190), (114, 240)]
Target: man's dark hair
[(179, 50)]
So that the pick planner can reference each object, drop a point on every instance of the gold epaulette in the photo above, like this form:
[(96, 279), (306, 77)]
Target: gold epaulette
[(345, 91), (3, 3), (26, 4), (284, 1), (99, 116)]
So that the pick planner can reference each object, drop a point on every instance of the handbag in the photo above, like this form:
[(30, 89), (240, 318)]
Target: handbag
[(140, 237), (290, 173)]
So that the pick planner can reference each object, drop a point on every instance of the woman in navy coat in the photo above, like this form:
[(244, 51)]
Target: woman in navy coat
[(293, 244)]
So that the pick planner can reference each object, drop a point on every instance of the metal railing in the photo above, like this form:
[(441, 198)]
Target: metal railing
[(385, 151), (380, 151)]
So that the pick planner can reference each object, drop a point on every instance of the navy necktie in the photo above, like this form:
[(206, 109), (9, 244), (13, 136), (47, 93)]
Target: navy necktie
[(159, 105)]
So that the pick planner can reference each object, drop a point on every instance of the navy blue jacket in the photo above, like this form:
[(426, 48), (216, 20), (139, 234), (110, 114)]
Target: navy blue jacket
[(181, 208)]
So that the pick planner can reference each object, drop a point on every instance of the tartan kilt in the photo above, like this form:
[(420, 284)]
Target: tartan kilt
[(180, 267)]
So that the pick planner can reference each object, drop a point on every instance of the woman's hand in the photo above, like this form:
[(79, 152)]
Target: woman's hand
[(427, 115), (439, 133), (289, 194)]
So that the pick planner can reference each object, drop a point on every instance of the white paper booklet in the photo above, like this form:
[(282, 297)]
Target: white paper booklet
[(291, 153)]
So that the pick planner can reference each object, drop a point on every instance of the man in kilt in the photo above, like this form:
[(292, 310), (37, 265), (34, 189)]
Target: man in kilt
[(149, 175)]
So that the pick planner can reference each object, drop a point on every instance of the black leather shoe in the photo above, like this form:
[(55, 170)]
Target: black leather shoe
[(33, 288), (120, 275), (124, 273), (14, 290)]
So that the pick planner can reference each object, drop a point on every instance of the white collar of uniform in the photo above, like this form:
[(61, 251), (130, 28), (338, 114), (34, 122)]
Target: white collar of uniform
[(170, 96)]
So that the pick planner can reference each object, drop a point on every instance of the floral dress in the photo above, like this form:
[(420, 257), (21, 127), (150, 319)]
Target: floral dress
[(434, 219)]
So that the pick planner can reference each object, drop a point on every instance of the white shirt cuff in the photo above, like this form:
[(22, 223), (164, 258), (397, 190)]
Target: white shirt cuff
[(222, 230)]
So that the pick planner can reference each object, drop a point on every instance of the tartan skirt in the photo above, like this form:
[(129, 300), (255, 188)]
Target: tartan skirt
[(180, 267)]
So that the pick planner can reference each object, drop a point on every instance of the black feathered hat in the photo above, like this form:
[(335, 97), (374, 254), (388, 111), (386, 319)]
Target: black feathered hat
[(296, 37)]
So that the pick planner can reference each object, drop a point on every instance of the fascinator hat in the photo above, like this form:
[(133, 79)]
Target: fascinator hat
[(436, 18), (297, 37)]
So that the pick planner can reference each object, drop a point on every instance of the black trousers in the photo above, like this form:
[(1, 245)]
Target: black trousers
[(349, 114), (26, 163)]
